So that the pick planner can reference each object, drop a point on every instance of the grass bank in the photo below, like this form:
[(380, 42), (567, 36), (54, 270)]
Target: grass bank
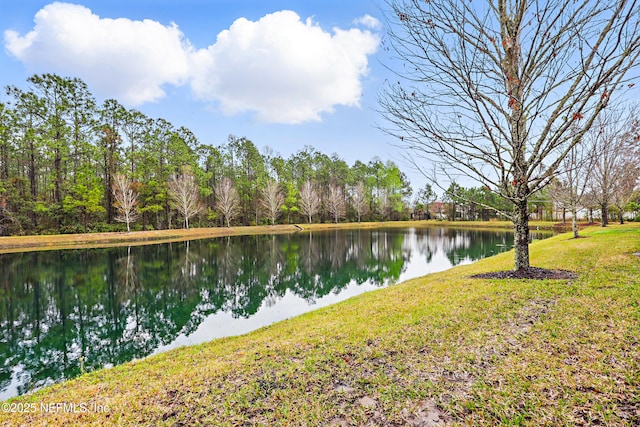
[(442, 347), (100, 240), (97, 240)]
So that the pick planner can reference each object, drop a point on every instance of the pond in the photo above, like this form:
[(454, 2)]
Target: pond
[(69, 311)]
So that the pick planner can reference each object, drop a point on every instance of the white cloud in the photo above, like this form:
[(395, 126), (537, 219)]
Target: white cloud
[(121, 58), (279, 68), (283, 69), (369, 22)]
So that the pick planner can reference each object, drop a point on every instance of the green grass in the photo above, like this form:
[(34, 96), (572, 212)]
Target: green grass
[(467, 351)]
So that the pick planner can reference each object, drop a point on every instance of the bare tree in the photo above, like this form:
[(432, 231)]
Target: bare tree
[(125, 200), (359, 200), (336, 203), (384, 203), (227, 200), (309, 200), (183, 192), (569, 190), (615, 166), (625, 187), (628, 182), (272, 200), (490, 90)]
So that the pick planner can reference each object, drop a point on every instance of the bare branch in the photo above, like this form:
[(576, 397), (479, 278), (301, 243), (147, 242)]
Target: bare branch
[(227, 200), (309, 200), (183, 192), (272, 200), (359, 200), (336, 202), (615, 169), (125, 200)]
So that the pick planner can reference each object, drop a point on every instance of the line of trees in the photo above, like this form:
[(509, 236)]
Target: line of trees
[(68, 164), (458, 203), (599, 185), (603, 171)]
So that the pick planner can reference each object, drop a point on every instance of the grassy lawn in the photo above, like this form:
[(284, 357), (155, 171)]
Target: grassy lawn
[(443, 348)]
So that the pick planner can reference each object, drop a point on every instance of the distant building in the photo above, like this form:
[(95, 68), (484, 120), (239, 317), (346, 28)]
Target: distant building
[(437, 210)]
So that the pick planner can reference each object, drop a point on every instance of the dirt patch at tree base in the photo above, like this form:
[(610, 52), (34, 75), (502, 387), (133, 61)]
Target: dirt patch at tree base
[(532, 273)]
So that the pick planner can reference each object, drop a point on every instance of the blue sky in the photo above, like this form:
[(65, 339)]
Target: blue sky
[(284, 74)]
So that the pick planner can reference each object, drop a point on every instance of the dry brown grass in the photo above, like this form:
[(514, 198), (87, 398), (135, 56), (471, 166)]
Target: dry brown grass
[(99, 240)]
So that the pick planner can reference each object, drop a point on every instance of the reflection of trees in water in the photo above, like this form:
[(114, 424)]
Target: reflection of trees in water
[(426, 243), (342, 257), (461, 245), (309, 254), (457, 245), (10, 297), (127, 273), (465, 244), (60, 310)]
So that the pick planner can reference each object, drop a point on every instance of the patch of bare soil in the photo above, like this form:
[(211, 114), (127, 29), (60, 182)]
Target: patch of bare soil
[(429, 415), (531, 273)]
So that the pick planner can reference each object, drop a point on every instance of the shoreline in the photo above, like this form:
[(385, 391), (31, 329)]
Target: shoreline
[(13, 244)]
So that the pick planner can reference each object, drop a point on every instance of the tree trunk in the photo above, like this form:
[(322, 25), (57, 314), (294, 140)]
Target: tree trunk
[(32, 180), (521, 235), (4, 160), (109, 197), (167, 213), (604, 213), (57, 166), (574, 223)]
